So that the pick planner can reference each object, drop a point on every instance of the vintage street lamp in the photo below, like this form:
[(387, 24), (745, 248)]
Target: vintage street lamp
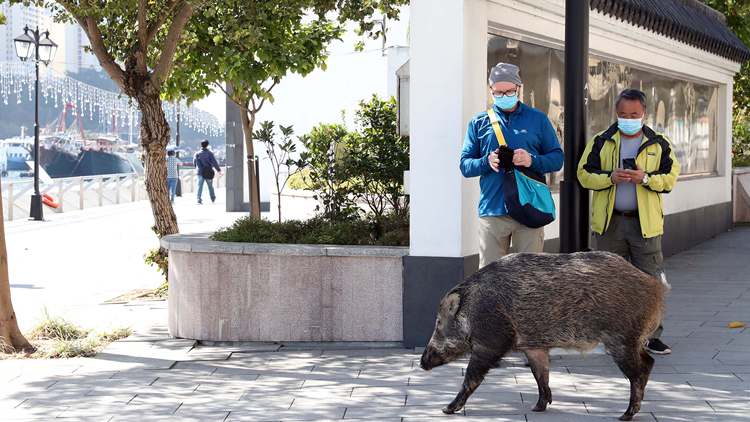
[(33, 47)]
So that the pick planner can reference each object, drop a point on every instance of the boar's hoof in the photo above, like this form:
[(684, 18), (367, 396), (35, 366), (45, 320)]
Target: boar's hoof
[(539, 408), (452, 408), (626, 417)]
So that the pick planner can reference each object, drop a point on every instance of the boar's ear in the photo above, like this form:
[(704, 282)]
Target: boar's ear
[(451, 303)]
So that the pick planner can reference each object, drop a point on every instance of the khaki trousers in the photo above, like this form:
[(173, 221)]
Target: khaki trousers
[(623, 237), (496, 232)]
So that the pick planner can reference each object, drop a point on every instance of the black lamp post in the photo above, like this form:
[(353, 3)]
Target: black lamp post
[(178, 189), (42, 50)]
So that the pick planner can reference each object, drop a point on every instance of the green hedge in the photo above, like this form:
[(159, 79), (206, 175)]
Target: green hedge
[(387, 230)]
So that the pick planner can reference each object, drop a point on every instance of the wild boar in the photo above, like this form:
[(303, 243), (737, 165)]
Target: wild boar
[(534, 302)]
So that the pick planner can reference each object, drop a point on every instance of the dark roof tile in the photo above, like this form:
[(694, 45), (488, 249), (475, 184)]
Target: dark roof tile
[(687, 21)]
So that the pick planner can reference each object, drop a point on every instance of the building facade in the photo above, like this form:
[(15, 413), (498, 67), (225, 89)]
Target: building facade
[(687, 76), (17, 17)]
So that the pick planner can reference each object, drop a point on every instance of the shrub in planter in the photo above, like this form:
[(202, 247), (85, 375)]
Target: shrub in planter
[(329, 169), (385, 230), (379, 157)]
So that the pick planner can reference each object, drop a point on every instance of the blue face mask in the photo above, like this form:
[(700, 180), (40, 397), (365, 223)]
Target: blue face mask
[(629, 126), (506, 102)]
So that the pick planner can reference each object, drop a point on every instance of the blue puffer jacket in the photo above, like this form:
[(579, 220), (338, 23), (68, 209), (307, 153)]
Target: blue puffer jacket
[(526, 128)]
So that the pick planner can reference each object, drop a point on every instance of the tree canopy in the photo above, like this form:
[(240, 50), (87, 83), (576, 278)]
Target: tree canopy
[(737, 13)]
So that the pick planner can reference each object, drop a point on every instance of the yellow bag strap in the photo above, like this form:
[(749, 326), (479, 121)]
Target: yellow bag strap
[(496, 127)]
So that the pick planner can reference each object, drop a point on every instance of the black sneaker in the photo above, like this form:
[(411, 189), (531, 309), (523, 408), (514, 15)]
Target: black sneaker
[(656, 346)]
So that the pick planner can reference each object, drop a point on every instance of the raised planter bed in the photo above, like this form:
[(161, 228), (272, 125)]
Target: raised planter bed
[(243, 292)]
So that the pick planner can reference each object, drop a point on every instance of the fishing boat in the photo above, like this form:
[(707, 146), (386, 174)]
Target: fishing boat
[(18, 151), (65, 155)]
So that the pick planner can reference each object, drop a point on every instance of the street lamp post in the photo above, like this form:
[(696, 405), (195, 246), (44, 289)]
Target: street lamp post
[(44, 51), (178, 189)]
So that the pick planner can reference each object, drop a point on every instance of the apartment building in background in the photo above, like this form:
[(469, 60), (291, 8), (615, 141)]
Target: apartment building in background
[(70, 38)]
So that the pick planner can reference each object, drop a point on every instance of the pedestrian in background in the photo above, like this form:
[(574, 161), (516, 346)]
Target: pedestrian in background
[(205, 163), (173, 174)]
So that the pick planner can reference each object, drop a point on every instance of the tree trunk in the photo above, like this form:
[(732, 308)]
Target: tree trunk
[(11, 339), (154, 139), (247, 129), (279, 192)]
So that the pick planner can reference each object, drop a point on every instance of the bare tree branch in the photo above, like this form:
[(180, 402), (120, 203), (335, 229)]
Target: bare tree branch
[(154, 26), (89, 25), (236, 102), (170, 44), (264, 98), (142, 54)]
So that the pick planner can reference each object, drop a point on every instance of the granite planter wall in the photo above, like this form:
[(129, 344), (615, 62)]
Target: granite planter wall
[(237, 292)]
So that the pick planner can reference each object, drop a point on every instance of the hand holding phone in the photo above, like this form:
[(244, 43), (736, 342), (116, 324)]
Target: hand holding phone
[(629, 164)]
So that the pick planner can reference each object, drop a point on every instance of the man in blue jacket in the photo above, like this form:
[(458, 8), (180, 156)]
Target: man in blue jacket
[(529, 133), (204, 159)]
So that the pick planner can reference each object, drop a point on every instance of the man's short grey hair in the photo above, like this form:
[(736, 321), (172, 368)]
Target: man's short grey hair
[(631, 94)]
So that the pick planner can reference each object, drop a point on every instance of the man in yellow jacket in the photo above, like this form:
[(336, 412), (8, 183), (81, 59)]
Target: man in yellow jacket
[(629, 167)]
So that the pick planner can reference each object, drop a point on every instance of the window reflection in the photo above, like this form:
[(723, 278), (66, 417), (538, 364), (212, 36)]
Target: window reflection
[(685, 112)]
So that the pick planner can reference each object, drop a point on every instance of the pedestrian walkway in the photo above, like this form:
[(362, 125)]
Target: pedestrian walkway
[(73, 262), (150, 377)]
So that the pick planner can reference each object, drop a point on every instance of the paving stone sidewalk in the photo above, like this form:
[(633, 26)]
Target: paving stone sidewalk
[(149, 376)]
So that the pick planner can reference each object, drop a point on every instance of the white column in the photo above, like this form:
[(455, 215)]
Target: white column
[(448, 68)]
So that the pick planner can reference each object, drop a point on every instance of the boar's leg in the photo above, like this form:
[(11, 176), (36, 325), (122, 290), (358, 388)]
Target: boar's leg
[(539, 362), (636, 364), (479, 365)]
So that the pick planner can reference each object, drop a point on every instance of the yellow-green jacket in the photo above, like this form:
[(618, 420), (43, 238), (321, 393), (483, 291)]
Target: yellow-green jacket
[(656, 158)]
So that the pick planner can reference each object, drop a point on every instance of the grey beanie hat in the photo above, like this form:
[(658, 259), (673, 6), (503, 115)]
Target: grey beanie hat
[(505, 72)]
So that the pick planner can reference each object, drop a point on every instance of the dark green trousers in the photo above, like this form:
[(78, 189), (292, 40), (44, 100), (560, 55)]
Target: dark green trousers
[(624, 237)]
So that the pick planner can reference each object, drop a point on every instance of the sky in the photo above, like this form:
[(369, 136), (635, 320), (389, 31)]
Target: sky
[(397, 35)]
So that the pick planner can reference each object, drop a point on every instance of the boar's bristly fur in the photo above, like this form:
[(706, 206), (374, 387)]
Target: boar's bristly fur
[(536, 302)]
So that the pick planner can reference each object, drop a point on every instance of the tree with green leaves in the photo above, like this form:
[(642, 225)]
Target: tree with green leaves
[(11, 338), (251, 46), (330, 174), (737, 13), (135, 42), (379, 157), (279, 154)]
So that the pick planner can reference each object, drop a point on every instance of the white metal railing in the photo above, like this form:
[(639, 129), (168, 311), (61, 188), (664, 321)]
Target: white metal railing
[(99, 189)]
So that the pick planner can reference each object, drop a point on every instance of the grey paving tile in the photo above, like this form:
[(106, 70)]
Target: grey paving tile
[(721, 385), (374, 413), (307, 414), (50, 411), (355, 383), (695, 417), (699, 377), (649, 406), (301, 403), (443, 399), (554, 415), (10, 403), (100, 418), (494, 418), (723, 369), (730, 406)]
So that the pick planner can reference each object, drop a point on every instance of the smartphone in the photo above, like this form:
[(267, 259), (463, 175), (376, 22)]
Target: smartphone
[(628, 163)]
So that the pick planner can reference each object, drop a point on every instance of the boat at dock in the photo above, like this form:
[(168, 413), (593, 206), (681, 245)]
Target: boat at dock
[(63, 154), (18, 150)]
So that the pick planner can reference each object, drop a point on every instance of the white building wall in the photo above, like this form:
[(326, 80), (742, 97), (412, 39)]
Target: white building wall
[(448, 69), (75, 57)]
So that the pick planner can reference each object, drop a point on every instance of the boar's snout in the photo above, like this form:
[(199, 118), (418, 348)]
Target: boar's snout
[(430, 358)]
